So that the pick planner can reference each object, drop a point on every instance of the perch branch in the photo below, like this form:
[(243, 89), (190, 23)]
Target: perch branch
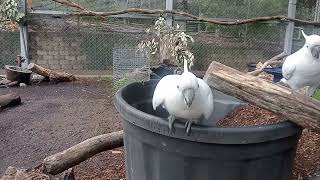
[(278, 59), (295, 106), (66, 159), (50, 74), (86, 12)]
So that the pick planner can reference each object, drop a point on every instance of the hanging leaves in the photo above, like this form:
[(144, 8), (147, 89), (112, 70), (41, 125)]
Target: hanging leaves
[(9, 10), (176, 41)]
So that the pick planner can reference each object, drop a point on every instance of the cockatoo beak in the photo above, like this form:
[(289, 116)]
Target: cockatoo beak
[(188, 95)]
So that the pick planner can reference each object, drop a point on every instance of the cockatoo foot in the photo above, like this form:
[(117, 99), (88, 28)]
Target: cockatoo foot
[(187, 125), (311, 90), (171, 121), (282, 82)]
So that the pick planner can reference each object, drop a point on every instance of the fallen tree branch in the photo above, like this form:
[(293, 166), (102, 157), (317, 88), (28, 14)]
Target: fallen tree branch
[(296, 107), (66, 159), (87, 12), (50, 74), (13, 173), (276, 60)]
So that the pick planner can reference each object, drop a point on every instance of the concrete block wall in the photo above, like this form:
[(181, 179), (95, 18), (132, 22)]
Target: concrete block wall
[(57, 51)]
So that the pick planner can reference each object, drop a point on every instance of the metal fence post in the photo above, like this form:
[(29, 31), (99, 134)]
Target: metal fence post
[(169, 6), (290, 27), (24, 49), (317, 16)]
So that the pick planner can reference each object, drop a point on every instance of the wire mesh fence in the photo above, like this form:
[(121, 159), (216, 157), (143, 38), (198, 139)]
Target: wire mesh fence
[(89, 45), (9, 46)]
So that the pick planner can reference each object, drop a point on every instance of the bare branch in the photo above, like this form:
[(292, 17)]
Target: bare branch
[(278, 59), (71, 4), (86, 12)]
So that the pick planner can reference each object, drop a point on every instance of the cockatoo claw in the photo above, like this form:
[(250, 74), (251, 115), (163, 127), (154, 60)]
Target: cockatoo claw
[(187, 125), (171, 121)]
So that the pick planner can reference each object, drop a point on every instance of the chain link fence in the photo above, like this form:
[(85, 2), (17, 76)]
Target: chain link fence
[(9, 45), (87, 45)]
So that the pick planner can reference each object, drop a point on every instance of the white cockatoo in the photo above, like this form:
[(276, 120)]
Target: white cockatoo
[(185, 97), (302, 68)]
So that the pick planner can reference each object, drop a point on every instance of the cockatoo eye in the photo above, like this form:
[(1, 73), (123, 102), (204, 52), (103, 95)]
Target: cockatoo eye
[(178, 86)]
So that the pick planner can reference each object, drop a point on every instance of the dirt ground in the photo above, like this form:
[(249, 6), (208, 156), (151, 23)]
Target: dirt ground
[(55, 117)]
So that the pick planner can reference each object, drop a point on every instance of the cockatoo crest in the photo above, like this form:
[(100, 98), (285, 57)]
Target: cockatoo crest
[(312, 43)]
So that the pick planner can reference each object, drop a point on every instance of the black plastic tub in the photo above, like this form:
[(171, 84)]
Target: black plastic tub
[(207, 153), (15, 73)]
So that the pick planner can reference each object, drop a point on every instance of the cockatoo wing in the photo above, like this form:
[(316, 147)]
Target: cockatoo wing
[(288, 68), (162, 89), (207, 98)]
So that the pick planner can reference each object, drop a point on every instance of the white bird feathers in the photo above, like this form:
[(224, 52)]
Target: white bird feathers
[(185, 97), (302, 68)]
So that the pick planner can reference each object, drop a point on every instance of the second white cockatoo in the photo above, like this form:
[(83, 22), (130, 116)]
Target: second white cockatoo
[(302, 68), (185, 97)]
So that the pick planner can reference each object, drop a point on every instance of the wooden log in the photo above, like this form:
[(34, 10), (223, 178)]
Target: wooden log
[(50, 74), (62, 161), (281, 100), (13, 173), (9, 100)]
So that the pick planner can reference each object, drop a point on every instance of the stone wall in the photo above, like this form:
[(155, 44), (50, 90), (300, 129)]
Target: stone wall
[(56, 51)]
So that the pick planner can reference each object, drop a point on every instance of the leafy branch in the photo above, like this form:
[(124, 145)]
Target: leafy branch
[(9, 11), (174, 42)]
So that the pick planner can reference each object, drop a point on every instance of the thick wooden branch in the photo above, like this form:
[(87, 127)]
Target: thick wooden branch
[(66, 159), (50, 74), (296, 107), (86, 12), (276, 60)]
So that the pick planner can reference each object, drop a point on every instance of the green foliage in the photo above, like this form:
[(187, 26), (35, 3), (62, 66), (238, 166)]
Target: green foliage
[(119, 84), (316, 95), (170, 39), (240, 9), (9, 10)]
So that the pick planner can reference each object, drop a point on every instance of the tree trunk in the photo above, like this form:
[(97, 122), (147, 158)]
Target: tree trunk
[(62, 161), (50, 74), (9, 100), (297, 107)]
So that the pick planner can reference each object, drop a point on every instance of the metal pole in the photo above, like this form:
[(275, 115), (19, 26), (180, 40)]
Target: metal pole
[(24, 35), (290, 27), (316, 16), (169, 6)]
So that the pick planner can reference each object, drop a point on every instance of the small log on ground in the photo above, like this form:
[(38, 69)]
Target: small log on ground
[(13, 173), (281, 100), (50, 74), (9, 100), (62, 161)]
